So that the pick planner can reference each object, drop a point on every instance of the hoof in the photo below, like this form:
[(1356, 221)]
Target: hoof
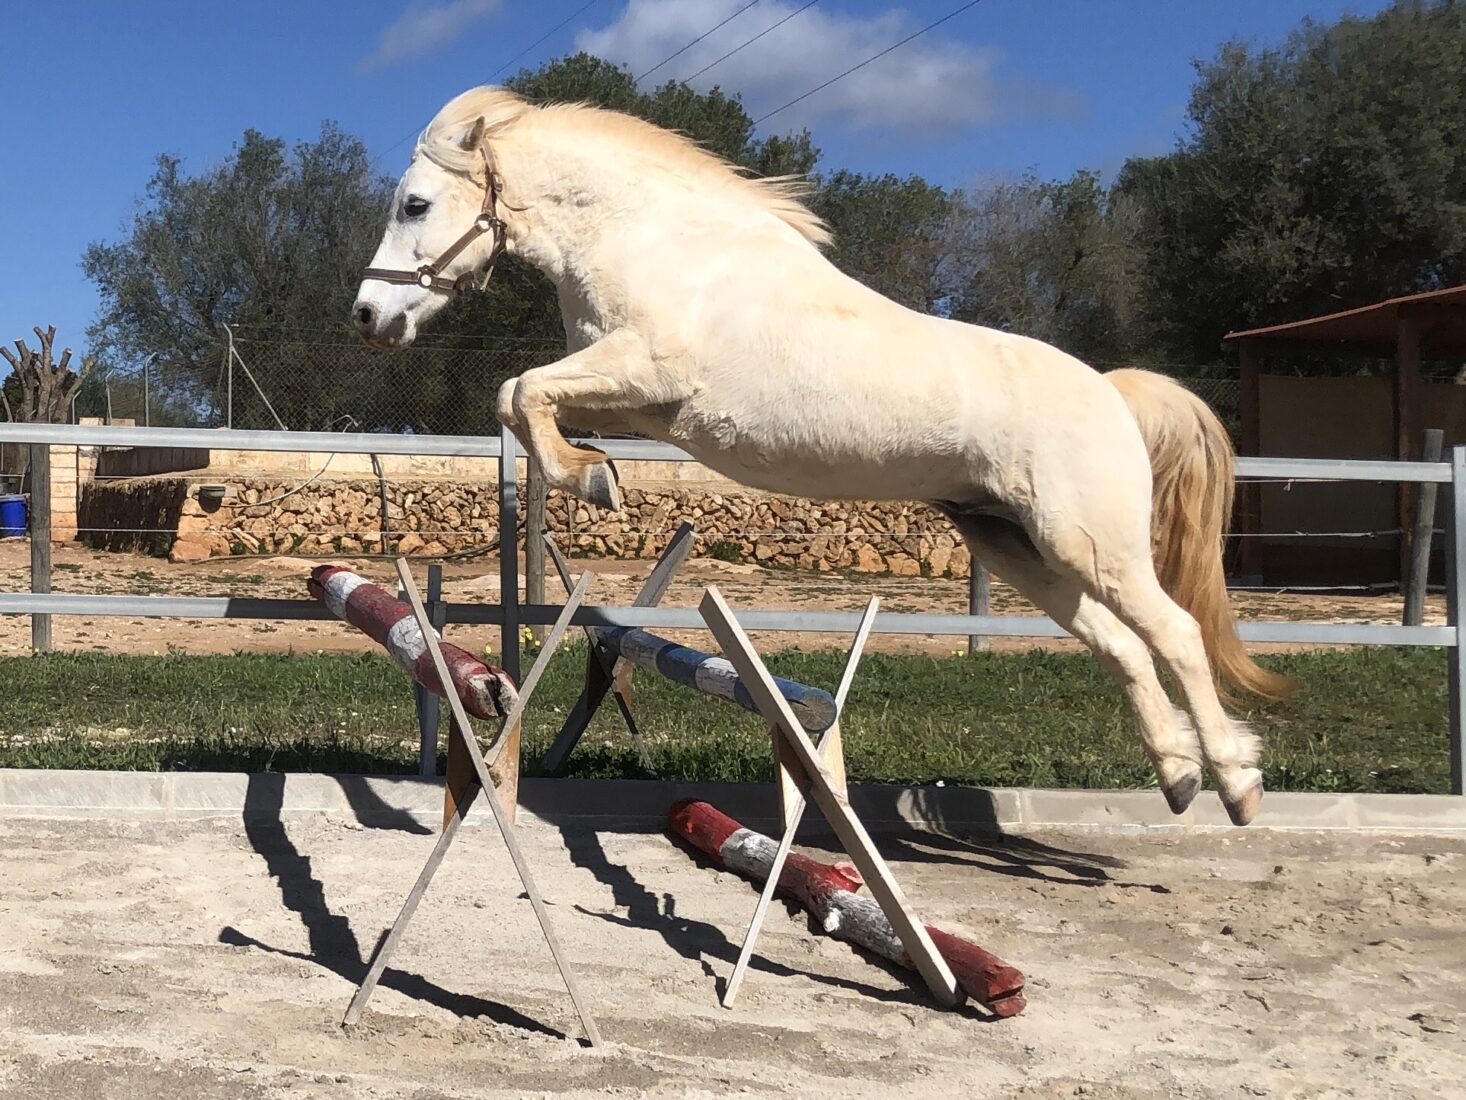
[(1243, 808), (1182, 790), (598, 486)]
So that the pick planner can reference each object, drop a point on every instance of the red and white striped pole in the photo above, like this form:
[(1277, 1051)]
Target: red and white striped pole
[(828, 891), (486, 691)]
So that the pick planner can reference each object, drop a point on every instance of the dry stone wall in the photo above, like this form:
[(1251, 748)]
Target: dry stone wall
[(433, 518)]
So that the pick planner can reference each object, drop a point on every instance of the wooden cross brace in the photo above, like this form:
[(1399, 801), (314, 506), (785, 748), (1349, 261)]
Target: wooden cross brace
[(791, 798), (604, 673), (464, 739), (802, 769)]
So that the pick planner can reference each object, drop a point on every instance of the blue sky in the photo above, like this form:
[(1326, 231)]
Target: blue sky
[(1007, 87)]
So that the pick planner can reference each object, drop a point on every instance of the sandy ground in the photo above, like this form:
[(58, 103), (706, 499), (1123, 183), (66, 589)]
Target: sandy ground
[(211, 960), (78, 569)]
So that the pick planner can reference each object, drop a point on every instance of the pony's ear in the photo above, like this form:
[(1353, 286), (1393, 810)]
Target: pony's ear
[(475, 136)]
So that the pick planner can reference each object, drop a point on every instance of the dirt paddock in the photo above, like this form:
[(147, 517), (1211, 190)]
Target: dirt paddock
[(214, 959)]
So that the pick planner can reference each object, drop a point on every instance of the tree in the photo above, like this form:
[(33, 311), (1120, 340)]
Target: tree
[(270, 236), (713, 119), (1056, 260), (1321, 175), (888, 232), (40, 389)]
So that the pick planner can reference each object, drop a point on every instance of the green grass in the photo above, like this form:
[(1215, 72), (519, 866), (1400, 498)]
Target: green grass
[(1364, 720)]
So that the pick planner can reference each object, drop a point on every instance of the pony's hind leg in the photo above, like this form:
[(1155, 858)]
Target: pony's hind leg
[(1117, 570), (1169, 740), (1232, 751)]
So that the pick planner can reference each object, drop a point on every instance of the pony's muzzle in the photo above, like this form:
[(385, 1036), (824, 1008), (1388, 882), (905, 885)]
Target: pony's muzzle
[(378, 327)]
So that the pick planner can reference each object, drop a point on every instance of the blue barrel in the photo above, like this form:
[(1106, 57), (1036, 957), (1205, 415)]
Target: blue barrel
[(12, 516)]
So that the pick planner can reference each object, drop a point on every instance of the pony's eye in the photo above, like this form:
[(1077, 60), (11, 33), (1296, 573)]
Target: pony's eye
[(415, 207)]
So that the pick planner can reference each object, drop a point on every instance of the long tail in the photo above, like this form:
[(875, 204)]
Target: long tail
[(1191, 463)]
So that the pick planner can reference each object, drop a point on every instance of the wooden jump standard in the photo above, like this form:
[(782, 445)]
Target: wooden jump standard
[(804, 771), (792, 711), (469, 769)]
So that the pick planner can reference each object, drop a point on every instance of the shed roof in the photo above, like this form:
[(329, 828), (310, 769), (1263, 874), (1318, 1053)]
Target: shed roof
[(1373, 330)]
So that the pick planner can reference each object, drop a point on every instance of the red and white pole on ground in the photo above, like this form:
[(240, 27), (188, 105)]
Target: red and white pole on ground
[(828, 892), (486, 691)]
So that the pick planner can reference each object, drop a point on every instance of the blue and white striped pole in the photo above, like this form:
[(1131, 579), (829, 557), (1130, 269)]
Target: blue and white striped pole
[(715, 676)]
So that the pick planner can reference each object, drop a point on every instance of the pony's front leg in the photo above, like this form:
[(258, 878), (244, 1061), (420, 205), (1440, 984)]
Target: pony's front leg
[(504, 408), (614, 373)]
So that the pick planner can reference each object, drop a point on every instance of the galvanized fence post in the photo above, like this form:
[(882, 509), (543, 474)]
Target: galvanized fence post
[(979, 595), (40, 524), (228, 377), (1455, 590), (509, 549), (1417, 583)]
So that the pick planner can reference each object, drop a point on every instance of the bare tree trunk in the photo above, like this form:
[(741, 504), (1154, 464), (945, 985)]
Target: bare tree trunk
[(47, 385)]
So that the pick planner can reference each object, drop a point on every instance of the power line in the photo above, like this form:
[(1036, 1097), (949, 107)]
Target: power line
[(695, 41), (405, 137), (867, 61), (750, 42), (557, 27)]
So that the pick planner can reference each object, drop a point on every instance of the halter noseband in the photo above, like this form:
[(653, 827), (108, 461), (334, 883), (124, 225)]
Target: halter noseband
[(430, 276)]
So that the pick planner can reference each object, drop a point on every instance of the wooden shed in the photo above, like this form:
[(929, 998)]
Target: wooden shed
[(1344, 534)]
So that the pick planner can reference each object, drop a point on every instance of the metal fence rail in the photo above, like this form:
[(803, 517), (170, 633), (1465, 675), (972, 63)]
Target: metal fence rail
[(687, 618), (41, 603), (646, 450), (347, 443)]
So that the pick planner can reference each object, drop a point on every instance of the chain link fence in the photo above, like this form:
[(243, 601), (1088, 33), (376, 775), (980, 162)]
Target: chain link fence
[(333, 382), (320, 384), (1224, 395)]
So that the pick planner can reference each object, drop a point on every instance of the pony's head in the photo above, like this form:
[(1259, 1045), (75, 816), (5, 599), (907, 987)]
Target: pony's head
[(431, 247), (442, 228)]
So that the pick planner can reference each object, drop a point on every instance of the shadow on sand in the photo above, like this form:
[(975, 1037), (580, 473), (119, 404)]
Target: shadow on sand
[(333, 943)]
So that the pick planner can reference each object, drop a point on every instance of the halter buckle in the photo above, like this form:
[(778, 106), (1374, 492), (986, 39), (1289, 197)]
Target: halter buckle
[(426, 277)]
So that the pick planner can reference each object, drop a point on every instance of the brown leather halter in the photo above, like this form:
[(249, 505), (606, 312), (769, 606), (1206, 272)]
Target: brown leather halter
[(429, 276)]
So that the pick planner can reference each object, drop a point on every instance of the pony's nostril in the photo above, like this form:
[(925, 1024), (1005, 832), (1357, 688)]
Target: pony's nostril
[(364, 317)]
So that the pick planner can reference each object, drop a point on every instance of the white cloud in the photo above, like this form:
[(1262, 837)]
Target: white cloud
[(423, 28), (934, 84)]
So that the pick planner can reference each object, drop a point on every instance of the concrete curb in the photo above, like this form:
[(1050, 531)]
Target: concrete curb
[(636, 805)]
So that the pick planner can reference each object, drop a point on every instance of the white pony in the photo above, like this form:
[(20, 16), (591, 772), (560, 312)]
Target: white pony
[(699, 310)]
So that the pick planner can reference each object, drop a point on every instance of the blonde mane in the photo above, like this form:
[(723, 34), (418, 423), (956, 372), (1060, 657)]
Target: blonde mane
[(502, 109)]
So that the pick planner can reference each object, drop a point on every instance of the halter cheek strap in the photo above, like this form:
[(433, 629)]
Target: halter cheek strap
[(429, 276)]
